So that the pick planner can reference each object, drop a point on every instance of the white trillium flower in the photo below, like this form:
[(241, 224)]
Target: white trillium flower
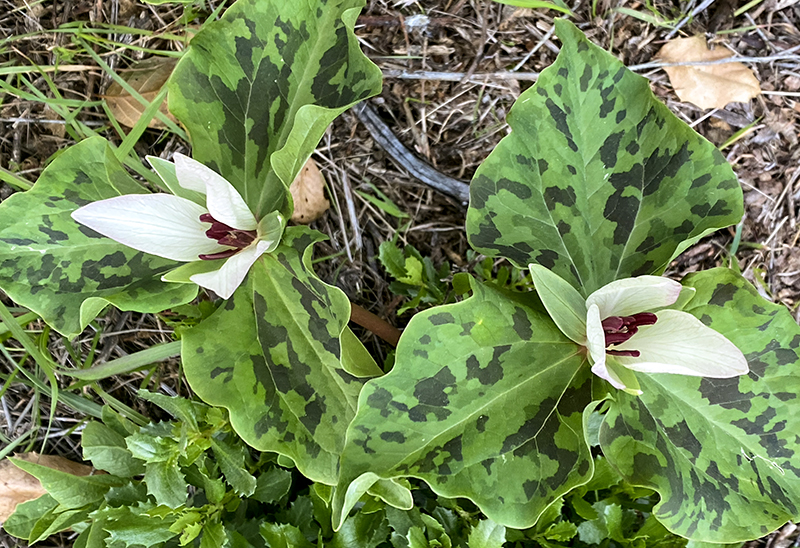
[(625, 327), (178, 228)]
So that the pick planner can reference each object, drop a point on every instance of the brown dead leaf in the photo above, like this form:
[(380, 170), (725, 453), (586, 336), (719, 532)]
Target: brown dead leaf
[(308, 193), (18, 486), (707, 86), (146, 77)]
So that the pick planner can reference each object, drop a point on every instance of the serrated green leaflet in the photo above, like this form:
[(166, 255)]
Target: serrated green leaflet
[(258, 89), (231, 459), (272, 356), (107, 451), (66, 272), (722, 453), (468, 409), (598, 180), (69, 490)]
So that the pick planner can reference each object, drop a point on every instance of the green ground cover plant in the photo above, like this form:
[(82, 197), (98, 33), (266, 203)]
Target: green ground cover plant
[(591, 403)]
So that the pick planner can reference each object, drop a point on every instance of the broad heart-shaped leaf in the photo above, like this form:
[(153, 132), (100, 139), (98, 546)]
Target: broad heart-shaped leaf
[(598, 180), (258, 89), (485, 401), (64, 271), (724, 454), (272, 356)]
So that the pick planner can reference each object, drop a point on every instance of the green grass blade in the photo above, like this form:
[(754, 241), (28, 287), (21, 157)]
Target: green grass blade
[(127, 364)]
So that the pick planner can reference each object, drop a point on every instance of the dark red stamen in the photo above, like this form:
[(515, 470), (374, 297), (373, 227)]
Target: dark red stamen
[(619, 338), (226, 235), (619, 329), (644, 318), (631, 353), (614, 323), (221, 255)]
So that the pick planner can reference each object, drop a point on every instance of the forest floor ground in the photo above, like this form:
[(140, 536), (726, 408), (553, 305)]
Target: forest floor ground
[(453, 69)]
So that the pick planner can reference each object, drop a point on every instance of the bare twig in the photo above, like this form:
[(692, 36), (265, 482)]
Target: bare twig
[(383, 135)]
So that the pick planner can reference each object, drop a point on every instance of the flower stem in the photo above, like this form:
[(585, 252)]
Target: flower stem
[(373, 323)]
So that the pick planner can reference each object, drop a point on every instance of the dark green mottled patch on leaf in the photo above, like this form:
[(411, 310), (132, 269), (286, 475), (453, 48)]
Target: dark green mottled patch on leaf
[(477, 388), (727, 446), (621, 171)]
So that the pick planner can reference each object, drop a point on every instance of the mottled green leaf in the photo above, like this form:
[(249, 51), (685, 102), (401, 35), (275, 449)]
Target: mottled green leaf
[(271, 355), (64, 271), (722, 453), (469, 410), (258, 88), (70, 491), (598, 180), (107, 451)]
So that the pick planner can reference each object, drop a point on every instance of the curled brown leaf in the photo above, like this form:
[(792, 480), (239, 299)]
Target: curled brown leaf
[(707, 86), (308, 193)]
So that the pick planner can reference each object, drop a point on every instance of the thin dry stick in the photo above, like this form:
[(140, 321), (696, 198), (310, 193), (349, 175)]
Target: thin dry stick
[(373, 323), (383, 135)]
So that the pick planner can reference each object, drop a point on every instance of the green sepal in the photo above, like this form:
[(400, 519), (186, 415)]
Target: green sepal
[(625, 375), (183, 273), (356, 360), (564, 303), (271, 228), (166, 171)]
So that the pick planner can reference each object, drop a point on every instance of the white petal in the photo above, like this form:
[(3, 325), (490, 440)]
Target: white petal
[(224, 281), (159, 224), (222, 200), (191, 174), (595, 337), (633, 295), (680, 343)]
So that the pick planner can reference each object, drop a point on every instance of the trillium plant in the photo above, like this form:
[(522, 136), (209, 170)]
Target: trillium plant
[(505, 397)]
